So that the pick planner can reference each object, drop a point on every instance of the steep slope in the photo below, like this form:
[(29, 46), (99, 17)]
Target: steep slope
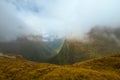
[(100, 41), (29, 49), (71, 52), (107, 68)]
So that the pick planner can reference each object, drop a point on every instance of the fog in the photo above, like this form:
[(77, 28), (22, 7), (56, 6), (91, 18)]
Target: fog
[(10, 25), (56, 17)]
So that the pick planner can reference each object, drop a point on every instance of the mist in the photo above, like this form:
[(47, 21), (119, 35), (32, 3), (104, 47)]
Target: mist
[(56, 17), (10, 25)]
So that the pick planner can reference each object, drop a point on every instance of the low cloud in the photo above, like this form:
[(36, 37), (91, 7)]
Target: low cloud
[(59, 17)]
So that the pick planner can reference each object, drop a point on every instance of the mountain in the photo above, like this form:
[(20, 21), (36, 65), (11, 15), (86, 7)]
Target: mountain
[(30, 47), (74, 51), (99, 42), (105, 68)]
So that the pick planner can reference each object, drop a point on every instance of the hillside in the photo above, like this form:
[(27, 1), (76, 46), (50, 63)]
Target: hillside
[(30, 47), (106, 68), (99, 42), (73, 51)]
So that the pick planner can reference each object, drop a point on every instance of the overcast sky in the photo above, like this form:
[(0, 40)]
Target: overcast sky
[(59, 17)]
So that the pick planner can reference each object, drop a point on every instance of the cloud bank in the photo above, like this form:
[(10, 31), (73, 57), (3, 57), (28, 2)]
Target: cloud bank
[(58, 17)]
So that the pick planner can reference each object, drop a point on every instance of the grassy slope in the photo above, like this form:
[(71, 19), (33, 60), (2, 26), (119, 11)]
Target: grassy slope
[(106, 68), (74, 51)]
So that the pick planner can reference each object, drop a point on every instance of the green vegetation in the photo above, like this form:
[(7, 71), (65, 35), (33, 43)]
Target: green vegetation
[(73, 51), (30, 47), (106, 68), (99, 42)]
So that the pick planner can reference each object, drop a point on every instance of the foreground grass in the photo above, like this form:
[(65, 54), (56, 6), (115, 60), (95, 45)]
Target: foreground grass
[(106, 68)]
